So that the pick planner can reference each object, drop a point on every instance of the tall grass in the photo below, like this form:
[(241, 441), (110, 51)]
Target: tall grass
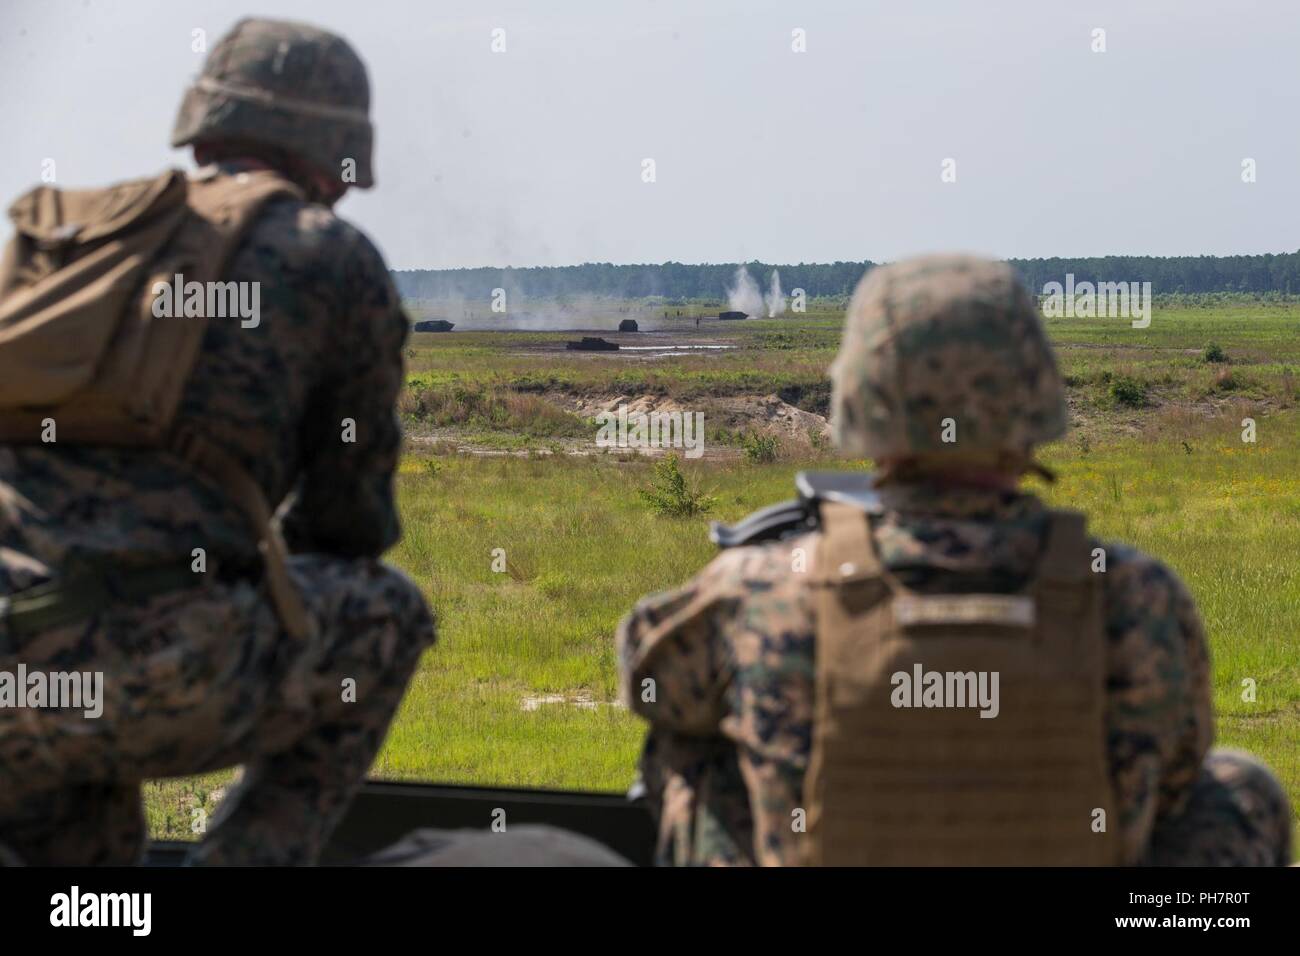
[(1225, 515)]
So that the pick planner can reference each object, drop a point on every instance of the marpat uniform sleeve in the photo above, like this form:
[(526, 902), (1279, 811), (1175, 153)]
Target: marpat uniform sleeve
[(673, 656), (1159, 713), (344, 502), (709, 665)]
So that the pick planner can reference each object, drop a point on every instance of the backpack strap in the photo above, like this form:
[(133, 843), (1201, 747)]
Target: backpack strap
[(224, 207), (847, 555), (207, 457), (222, 210), (1065, 585), (1065, 553), (848, 587)]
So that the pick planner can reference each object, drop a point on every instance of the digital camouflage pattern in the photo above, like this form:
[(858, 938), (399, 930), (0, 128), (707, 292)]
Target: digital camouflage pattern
[(204, 678), (732, 652), (724, 667), (287, 85), (944, 337)]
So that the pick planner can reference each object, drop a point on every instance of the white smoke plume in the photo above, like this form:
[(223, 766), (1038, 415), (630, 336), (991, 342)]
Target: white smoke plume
[(743, 295), (774, 299)]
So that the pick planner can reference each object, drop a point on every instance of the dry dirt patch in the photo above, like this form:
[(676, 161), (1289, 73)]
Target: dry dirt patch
[(761, 413)]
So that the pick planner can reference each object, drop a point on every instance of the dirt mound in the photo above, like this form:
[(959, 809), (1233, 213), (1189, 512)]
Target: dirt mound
[(762, 413), (770, 413)]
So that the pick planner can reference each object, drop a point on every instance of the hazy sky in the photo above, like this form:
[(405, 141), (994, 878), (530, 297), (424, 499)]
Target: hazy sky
[(534, 156)]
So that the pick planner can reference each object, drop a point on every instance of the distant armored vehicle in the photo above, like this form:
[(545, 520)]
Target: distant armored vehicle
[(733, 315), (434, 325), (590, 344), (628, 325)]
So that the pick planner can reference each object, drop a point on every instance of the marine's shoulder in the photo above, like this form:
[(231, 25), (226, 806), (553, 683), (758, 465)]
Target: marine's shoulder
[(765, 566), (310, 230), (745, 594), (733, 576), (1139, 586), (320, 265)]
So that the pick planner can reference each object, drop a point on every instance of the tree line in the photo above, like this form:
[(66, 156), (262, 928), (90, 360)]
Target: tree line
[(1269, 273)]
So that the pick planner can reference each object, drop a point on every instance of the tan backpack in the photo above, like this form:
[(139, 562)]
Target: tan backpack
[(81, 347), (906, 771)]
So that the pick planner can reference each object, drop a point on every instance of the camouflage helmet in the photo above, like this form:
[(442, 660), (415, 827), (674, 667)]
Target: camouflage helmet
[(945, 337), (287, 85)]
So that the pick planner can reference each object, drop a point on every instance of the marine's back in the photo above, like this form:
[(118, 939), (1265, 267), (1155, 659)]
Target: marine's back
[(275, 390), (733, 657)]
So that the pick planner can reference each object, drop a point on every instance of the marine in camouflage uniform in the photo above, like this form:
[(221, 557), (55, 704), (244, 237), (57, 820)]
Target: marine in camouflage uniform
[(732, 653), (203, 678)]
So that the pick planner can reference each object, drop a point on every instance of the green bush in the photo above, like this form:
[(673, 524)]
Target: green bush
[(1213, 353), (1128, 391), (672, 495)]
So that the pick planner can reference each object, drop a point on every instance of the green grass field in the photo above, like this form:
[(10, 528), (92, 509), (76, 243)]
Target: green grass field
[(520, 688)]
